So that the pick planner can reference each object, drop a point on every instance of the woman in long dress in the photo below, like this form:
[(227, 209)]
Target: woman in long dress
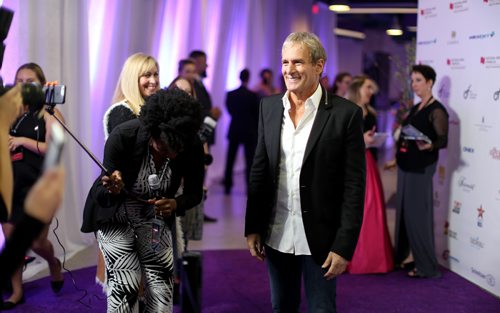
[(373, 252)]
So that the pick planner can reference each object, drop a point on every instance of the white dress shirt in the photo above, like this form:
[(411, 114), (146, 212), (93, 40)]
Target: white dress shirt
[(286, 230)]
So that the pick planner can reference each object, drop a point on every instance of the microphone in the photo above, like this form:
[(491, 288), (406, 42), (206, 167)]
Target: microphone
[(207, 128), (154, 185)]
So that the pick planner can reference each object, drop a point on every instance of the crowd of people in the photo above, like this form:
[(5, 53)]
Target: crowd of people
[(315, 205)]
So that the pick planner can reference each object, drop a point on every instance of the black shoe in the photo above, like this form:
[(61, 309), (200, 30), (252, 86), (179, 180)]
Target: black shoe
[(57, 285), (209, 219), (9, 305)]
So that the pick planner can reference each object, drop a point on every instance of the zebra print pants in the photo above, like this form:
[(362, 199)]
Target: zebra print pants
[(128, 254)]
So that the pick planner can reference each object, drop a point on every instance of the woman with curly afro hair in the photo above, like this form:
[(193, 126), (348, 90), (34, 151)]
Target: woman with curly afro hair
[(132, 216)]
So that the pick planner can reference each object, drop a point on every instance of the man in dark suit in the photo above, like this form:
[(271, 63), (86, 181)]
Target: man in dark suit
[(243, 105), (200, 61), (307, 182)]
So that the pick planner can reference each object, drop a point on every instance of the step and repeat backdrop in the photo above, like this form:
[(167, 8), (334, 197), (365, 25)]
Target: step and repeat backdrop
[(461, 41)]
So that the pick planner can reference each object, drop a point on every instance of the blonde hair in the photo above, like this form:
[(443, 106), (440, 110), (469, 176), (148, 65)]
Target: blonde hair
[(127, 87), (353, 93)]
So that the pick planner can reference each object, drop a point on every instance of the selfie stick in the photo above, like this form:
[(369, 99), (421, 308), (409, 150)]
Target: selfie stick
[(50, 105)]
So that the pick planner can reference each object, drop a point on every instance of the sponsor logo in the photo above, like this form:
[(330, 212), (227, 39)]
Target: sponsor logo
[(465, 185), (446, 228), (495, 153), (427, 42), (497, 197), (447, 256), (428, 12), (490, 61), (482, 36), (426, 62), (452, 234), (483, 126), (459, 6), (496, 95), (476, 243), (490, 279), (480, 217), (469, 94), (453, 40), (491, 2), (468, 149), (441, 174), (457, 205), (456, 63)]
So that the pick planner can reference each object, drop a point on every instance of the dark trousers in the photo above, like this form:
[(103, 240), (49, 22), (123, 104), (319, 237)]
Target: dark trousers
[(285, 273), (231, 158)]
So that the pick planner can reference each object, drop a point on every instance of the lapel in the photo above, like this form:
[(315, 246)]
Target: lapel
[(320, 120), (275, 123)]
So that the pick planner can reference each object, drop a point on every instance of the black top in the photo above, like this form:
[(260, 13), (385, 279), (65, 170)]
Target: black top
[(370, 120), (206, 103), (125, 150), (432, 120), (26, 164)]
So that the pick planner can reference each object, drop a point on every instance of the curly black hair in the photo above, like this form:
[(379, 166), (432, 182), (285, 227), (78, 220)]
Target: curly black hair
[(172, 116)]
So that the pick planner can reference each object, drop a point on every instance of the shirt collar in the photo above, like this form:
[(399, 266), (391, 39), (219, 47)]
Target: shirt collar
[(314, 99)]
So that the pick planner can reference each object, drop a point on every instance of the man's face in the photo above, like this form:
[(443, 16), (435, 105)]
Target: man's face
[(201, 65), (300, 74)]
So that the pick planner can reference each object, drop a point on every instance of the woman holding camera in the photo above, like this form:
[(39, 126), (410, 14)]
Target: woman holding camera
[(135, 234), (27, 144)]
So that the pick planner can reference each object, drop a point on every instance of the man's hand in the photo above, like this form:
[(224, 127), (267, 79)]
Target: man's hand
[(164, 207), (256, 247), (114, 183), (335, 264), (423, 146), (46, 195)]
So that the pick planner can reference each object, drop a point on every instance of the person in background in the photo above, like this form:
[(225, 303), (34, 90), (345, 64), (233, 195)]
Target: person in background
[(200, 61), (185, 78), (266, 87), (243, 106), (373, 252), (133, 221), (307, 182), (416, 161), (138, 79), (41, 201), (28, 144), (341, 84)]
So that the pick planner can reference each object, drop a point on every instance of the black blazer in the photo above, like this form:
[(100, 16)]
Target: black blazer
[(243, 105), (332, 179), (125, 149)]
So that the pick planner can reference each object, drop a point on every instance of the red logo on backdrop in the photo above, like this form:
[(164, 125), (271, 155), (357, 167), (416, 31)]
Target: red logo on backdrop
[(495, 154), (485, 1), (421, 12), (482, 60), (448, 61), (451, 6)]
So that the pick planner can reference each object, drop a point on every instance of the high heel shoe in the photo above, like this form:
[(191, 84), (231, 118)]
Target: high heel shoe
[(57, 285), (9, 305)]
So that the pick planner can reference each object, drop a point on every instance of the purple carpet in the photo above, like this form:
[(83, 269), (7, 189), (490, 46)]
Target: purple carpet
[(235, 282)]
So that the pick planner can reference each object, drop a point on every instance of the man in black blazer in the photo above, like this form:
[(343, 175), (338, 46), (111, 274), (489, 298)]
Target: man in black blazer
[(243, 106), (307, 182)]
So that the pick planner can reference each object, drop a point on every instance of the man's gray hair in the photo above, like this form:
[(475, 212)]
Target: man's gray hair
[(309, 40)]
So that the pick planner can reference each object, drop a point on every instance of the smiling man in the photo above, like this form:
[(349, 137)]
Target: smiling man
[(307, 182)]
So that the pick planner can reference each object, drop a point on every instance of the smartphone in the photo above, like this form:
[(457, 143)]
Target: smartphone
[(55, 94), (55, 147)]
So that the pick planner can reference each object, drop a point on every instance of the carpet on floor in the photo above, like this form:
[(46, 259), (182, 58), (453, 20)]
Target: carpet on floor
[(235, 282)]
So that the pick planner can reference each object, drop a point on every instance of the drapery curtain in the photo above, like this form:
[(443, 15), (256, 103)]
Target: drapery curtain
[(83, 44)]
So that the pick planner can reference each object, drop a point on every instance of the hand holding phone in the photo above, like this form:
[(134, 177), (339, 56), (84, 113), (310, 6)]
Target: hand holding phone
[(55, 146)]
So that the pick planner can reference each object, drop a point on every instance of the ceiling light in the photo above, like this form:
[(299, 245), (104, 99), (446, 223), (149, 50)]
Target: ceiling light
[(349, 33), (339, 8), (395, 29)]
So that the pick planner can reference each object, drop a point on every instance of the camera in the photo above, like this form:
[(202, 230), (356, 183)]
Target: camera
[(35, 96)]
